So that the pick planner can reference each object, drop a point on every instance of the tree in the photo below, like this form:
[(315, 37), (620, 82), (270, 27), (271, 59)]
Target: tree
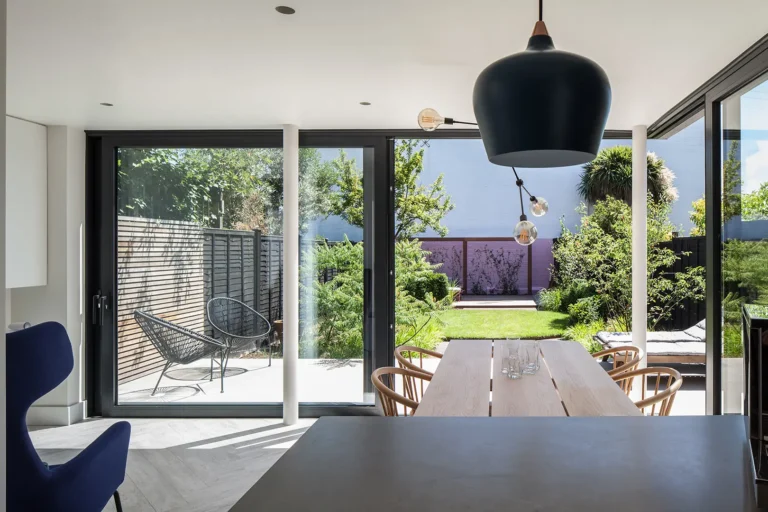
[(755, 204), (221, 187), (317, 179), (731, 193), (418, 207), (184, 184), (610, 174)]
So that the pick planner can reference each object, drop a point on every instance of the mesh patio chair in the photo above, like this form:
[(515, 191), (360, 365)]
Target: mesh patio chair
[(240, 327), (177, 344)]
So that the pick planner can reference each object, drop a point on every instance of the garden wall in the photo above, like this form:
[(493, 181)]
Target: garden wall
[(492, 266)]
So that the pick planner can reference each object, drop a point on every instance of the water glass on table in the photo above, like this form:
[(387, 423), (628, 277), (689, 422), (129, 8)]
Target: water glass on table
[(530, 351), (509, 348), (515, 366)]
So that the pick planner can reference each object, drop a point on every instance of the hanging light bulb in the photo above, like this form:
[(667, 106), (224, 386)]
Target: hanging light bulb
[(525, 231), (539, 206), (429, 119)]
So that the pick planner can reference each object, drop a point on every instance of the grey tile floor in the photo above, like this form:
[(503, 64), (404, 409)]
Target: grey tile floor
[(175, 465)]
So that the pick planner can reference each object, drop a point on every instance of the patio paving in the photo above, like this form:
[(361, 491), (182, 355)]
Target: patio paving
[(495, 302), (251, 381)]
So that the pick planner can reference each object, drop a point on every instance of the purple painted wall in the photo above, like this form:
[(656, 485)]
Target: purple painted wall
[(494, 267)]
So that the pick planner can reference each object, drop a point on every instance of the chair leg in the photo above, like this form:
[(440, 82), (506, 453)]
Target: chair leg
[(161, 376), (270, 353), (211, 377), (223, 366), (118, 504)]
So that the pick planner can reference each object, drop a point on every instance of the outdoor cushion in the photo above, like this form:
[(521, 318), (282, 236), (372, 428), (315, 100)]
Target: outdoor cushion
[(682, 348), (662, 343), (698, 331)]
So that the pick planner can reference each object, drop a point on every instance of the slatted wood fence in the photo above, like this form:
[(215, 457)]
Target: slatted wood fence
[(160, 269), (172, 269)]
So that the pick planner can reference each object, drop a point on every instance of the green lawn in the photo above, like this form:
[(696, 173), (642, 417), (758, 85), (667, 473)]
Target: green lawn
[(502, 323)]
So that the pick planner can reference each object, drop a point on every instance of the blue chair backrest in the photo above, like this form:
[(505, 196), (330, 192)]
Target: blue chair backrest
[(37, 360)]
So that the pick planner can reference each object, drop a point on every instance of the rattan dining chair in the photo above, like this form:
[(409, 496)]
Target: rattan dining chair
[(660, 402), (392, 402), (625, 358), (406, 358)]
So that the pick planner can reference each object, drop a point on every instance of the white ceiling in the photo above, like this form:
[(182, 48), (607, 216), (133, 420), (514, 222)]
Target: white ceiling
[(239, 64)]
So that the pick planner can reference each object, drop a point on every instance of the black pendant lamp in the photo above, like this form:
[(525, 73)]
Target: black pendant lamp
[(542, 107)]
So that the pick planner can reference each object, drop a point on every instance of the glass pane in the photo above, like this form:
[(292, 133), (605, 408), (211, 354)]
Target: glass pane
[(197, 228), (332, 344), (744, 154), (455, 215)]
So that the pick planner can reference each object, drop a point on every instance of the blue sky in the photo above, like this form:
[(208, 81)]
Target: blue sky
[(487, 202)]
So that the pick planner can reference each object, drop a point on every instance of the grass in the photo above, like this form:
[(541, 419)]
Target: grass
[(502, 323)]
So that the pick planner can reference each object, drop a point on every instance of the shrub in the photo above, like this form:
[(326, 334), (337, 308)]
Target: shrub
[(576, 290), (584, 333), (585, 310), (433, 283), (332, 311), (599, 254), (550, 299)]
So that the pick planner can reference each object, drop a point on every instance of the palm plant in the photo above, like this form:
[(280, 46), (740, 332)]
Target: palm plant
[(610, 174)]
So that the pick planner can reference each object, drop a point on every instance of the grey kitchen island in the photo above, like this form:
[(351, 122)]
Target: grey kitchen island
[(628, 464)]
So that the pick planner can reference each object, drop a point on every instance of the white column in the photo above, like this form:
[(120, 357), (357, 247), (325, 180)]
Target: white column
[(290, 273), (639, 238)]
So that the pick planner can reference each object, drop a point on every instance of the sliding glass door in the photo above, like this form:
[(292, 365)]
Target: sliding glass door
[(744, 235), (187, 280)]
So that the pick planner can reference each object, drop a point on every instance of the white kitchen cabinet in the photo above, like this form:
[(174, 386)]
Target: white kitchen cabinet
[(26, 210)]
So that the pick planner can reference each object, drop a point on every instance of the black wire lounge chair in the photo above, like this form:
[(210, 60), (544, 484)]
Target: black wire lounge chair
[(177, 344), (240, 326)]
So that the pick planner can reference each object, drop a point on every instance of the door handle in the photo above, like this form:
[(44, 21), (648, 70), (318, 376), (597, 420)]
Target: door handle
[(98, 307)]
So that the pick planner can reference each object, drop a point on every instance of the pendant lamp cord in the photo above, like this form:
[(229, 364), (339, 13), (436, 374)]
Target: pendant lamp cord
[(519, 184), (541, 10)]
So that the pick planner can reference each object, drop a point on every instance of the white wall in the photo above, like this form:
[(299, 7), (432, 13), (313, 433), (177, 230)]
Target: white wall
[(61, 299)]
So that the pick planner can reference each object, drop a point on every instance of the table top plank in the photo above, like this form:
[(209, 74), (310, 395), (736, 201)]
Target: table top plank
[(461, 385), (533, 395), (522, 464), (584, 386)]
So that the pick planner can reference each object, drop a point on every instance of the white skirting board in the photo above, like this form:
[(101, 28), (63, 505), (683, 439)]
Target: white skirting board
[(56, 415)]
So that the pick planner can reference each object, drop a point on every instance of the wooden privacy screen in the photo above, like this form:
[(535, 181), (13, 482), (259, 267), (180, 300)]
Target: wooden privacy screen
[(173, 268), (159, 269)]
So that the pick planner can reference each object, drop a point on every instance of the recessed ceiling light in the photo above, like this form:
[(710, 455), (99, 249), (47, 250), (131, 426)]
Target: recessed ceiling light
[(106, 104), (284, 9), (365, 103)]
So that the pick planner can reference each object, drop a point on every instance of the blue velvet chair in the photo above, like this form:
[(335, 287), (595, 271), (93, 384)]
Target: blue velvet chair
[(39, 359)]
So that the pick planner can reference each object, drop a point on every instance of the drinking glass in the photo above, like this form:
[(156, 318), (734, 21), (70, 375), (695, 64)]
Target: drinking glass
[(515, 367), (530, 351), (510, 348)]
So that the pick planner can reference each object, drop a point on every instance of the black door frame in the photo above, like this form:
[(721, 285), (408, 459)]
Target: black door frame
[(101, 261), (749, 71), (744, 69), (379, 317)]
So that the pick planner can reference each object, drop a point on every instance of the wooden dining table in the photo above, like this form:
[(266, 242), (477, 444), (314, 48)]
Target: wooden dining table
[(469, 382)]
